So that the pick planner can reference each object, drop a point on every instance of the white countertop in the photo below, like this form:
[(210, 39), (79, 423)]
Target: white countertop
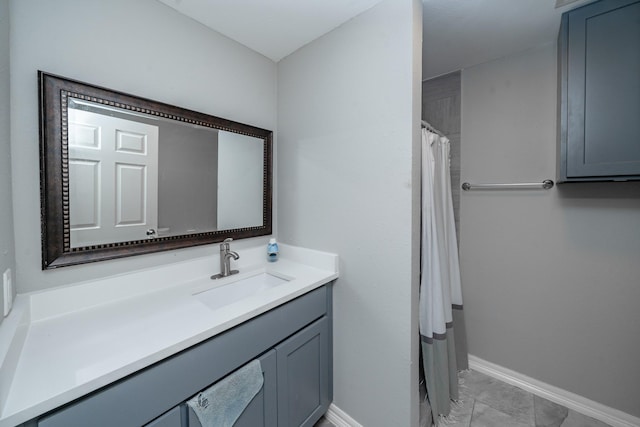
[(61, 344)]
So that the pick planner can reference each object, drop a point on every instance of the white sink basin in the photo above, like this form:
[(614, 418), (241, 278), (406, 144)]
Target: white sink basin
[(235, 291)]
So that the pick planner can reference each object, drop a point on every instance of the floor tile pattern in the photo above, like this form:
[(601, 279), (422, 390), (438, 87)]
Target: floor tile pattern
[(323, 423), (487, 402)]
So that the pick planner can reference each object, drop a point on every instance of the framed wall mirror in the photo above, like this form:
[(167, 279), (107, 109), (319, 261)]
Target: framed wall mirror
[(122, 175)]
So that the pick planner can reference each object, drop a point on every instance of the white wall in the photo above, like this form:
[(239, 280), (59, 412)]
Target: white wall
[(7, 259), (141, 47), (551, 278), (348, 122)]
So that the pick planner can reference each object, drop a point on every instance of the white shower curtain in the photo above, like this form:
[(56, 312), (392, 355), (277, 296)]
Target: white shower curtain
[(440, 288)]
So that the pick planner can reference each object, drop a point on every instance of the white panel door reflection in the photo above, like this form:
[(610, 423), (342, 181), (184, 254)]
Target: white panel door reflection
[(113, 185)]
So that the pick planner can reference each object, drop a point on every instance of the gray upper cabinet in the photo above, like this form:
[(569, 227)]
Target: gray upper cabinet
[(599, 92)]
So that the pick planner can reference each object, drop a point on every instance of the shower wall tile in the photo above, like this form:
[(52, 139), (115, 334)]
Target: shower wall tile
[(445, 112), (441, 107), (454, 139), (441, 102)]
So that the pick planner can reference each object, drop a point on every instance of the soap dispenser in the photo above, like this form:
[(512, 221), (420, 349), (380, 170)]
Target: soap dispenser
[(272, 250)]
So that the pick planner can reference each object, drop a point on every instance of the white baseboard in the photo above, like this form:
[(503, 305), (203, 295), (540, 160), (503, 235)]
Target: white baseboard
[(590, 408), (339, 418)]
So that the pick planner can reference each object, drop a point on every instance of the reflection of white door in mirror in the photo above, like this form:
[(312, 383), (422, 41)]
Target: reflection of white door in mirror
[(113, 185)]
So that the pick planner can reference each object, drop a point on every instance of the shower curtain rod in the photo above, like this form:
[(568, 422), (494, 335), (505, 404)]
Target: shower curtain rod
[(431, 128)]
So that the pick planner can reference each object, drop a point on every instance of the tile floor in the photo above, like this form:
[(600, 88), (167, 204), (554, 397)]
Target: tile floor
[(323, 423), (487, 402)]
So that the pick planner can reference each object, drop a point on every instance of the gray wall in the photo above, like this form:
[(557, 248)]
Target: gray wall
[(187, 179), (7, 259), (190, 66), (551, 278), (349, 121)]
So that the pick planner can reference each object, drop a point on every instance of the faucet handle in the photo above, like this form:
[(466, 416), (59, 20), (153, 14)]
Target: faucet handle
[(224, 246)]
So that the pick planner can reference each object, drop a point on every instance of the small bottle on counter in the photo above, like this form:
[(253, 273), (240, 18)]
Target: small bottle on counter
[(272, 250)]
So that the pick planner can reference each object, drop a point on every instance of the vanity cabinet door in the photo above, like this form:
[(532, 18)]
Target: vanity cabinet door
[(172, 418), (303, 376), (262, 410), (599, 60)]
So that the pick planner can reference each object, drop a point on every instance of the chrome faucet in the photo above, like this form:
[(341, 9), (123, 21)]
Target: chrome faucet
[(225, 260)]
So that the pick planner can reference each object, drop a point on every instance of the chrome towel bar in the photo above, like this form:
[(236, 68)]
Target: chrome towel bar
[(546, 184)]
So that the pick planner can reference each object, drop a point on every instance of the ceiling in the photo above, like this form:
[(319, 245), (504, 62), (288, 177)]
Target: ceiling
[(274, 28), (460, 33), (456, 33)]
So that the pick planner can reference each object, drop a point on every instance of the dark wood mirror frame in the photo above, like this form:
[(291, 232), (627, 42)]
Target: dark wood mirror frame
[(54, 92)]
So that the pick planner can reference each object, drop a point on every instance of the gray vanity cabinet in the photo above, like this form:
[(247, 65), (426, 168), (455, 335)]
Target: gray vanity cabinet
[(303, 386), (599, 92), (301, 366), (172, 418), (292, 342), (262, 411)]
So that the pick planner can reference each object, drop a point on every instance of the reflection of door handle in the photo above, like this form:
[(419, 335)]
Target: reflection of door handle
[(151, 232)]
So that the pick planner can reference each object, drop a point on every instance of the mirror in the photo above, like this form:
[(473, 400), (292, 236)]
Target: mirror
[(123, 175)]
